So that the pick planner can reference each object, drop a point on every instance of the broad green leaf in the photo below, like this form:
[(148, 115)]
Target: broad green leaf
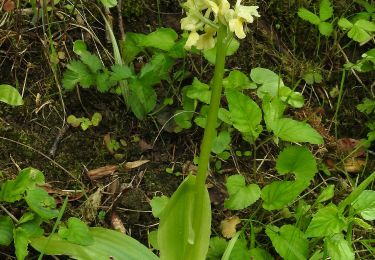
[(199, 91), (156, 70), (108, 244), (270, 82), (224, 115), (109, 3), (210, 54), (41, 203), (325, 10), (92, 61), (279, 194), (221, 142), (76, 232), (244, 112), (312, 77), (240, 250), (13, 190), (238, 80), (153, 239), (85, 123), (163, 39), (10, 95), (103, 82), (306, 15), (142, 99), (176, 236), (21, 242), (361, 31), (345, 24), (326, 194), (217, 248), (6, 230), (259, 254), (77, 73), (294, 131), (32, 227), (74, 121), (297, 160), (289, 242), (158, 204), (240, 194), (367, 106), (273, 109), (326, 222), (130, 48), (121, 72), (365, 205), (325, 28), (361, 223), (338, 248), (79, 47)]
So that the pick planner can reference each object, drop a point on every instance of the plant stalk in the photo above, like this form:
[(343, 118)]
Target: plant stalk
[(210, 129)]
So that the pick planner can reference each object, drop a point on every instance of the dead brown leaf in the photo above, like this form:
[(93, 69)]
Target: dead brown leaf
[(102, 172), (348, 145), (91, 205), (353, 164), (117, 223), (228, 226), (135, 164), (9, 6)]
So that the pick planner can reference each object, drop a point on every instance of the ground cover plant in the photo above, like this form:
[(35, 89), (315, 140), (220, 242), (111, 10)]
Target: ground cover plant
[(198, 129)]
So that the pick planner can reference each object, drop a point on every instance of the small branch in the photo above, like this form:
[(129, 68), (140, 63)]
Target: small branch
[(9, 214)]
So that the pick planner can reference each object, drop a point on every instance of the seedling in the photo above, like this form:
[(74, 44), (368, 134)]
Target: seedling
[(84, 122), (10, 95)]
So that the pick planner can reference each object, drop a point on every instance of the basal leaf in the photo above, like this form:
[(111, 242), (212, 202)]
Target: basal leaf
[(41, 203), (79, 46), (10, 95), (199, 91), (268, 80), (156, 70), (92, 61), (365, 205), (142, 99), (294, 131), (290, 242), (279, 194), (273, 109), (217, 248), (130, 48), (176, 237), (103, 82), (306, 15), (244, 112), (326, 222), (297, 160), (121, 72), (326, 194), (325, 10), (6, 230), (240, 194), (21, 243), (158, 204), (325, 28), (76, 232), (259, 254), (163, 39), (77, 73), (338, 248), (107, 244)]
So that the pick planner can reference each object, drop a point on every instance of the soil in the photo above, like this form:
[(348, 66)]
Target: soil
[(36, 135)]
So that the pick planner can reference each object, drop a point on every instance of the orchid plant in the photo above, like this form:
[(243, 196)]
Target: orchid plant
[(186, 218)]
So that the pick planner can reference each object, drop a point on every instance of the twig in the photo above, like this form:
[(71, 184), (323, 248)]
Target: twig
[(9, 214), (120, 20)]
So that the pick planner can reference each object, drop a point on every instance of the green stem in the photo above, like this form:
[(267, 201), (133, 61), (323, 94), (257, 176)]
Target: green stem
[(354, 194), (210, 129)]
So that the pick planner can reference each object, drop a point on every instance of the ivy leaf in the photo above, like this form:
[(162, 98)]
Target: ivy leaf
[(306, 15), (365, 204), (158, 204), (240, 194), (199, 91), (327, 221), (6, 230), (244, 112), (10, 95), (294, 131), (279, 194), (325, 10), (338, 248), (77, 73), (142, 99), (41, 203), (76, 232), (297, 160), (289, 242)]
